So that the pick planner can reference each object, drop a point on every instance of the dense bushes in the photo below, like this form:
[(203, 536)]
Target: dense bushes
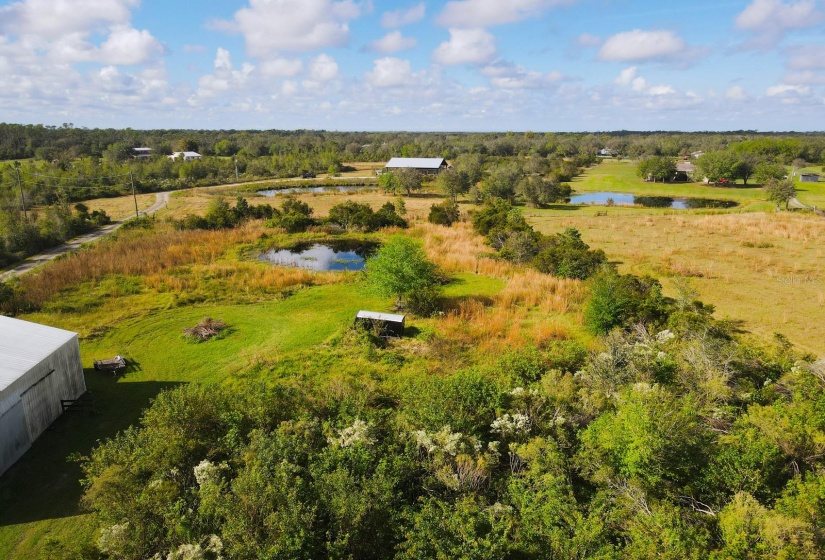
[(563, 254), (444, 214), (618, 299), (21, 236), (219, 215), (672, 444), (361, 217)]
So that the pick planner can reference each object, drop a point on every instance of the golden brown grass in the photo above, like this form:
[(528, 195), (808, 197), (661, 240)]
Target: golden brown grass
[(764, 269), (133, 254), (532, 308), (122, 207)]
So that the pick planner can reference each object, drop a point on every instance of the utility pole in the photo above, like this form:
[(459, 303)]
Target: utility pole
[(132, 179), (22, 198)]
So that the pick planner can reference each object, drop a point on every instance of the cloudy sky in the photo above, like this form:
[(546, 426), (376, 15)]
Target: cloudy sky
[(542, 65)]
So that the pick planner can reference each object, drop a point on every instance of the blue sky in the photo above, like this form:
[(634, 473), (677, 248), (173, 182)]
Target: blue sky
[(542, 65)]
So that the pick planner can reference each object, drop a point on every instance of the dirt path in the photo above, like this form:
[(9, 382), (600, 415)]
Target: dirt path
[(161, 200)]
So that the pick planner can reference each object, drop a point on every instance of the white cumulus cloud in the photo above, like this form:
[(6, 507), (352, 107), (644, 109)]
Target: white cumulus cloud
[(392, 42), (281, 67), (483, 13), (630, 77), (68, 30), (271, 26), (466, 46), (784, 89), (638, 45), (323, 68), (390, 72), (401, 17), (768, 20)]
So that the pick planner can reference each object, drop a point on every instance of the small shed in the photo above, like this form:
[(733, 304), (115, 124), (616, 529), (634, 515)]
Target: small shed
[(39, 367), (430, 166), (809, 178), (387, 324)]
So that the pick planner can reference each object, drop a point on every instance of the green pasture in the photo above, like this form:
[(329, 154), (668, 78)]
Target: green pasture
[(41, 515)]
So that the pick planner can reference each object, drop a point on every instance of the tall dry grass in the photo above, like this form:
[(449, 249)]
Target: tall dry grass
[(526, 311), (239, 279), (131, 254), (459, 249)]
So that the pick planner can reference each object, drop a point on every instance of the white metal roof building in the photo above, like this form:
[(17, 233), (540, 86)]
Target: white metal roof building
[(425, 165), (39, 367)]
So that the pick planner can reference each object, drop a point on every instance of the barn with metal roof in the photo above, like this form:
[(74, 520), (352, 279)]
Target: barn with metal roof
[(39, 367), (424, 165)]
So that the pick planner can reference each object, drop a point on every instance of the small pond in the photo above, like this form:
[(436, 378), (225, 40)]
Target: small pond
[(625, 199), (309, 190), (336, 255)]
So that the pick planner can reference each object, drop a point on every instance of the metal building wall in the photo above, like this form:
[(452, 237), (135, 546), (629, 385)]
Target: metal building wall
[(14, 435), (59, 376)]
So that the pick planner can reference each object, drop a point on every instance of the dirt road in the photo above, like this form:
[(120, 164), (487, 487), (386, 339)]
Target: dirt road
[(161, 200)]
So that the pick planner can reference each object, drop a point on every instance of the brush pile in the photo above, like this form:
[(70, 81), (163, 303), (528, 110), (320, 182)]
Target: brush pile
[(206, 329)]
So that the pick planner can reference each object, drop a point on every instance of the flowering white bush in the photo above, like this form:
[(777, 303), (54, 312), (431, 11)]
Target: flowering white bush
[(112, 538), (357, 433), (511, 424), (207, 471)]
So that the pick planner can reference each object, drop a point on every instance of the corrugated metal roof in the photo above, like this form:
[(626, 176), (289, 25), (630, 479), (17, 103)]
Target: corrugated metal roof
[(415, 163), (23, 345), (380, 316)]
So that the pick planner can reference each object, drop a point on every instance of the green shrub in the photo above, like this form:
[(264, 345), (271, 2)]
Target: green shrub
[(567, 256), (623, 300), (444, 214)]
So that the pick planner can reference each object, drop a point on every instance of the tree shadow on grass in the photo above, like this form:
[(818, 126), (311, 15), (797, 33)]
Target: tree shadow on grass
[(44, 484)]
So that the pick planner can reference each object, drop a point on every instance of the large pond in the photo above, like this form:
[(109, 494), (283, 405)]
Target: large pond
[(625, 199), (309, 190), (337, 255)]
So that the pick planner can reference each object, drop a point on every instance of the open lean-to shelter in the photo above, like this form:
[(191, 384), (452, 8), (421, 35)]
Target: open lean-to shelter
[(387, 324), (39, 367)]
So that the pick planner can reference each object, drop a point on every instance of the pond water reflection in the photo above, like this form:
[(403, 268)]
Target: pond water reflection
[(321, 256), (626, 199), (309, 190)]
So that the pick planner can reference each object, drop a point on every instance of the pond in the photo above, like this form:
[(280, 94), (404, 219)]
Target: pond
[(335, 255), (309, 190), (625, 199)]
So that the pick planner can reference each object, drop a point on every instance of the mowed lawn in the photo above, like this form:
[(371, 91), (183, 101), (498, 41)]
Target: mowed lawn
[(763, 269), (40, 494), (620, 176)]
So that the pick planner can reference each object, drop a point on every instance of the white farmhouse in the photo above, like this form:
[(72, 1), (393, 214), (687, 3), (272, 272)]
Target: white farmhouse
[(185, 156), (39, 367)]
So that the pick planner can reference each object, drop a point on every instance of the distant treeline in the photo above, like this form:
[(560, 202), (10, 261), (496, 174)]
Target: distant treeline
[(66, 142)]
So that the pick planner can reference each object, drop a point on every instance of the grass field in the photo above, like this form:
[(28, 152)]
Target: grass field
[(764, 269)]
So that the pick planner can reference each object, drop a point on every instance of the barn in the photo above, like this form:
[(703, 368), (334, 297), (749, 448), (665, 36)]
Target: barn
[(39, 367), (430, 166)]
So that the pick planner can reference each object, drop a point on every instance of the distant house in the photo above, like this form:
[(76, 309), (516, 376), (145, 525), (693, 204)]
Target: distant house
[(430, 166), (684, 171), (186, 156), (606, 152), (809, 178), (141, 153), (40, 370), (696, 155)]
